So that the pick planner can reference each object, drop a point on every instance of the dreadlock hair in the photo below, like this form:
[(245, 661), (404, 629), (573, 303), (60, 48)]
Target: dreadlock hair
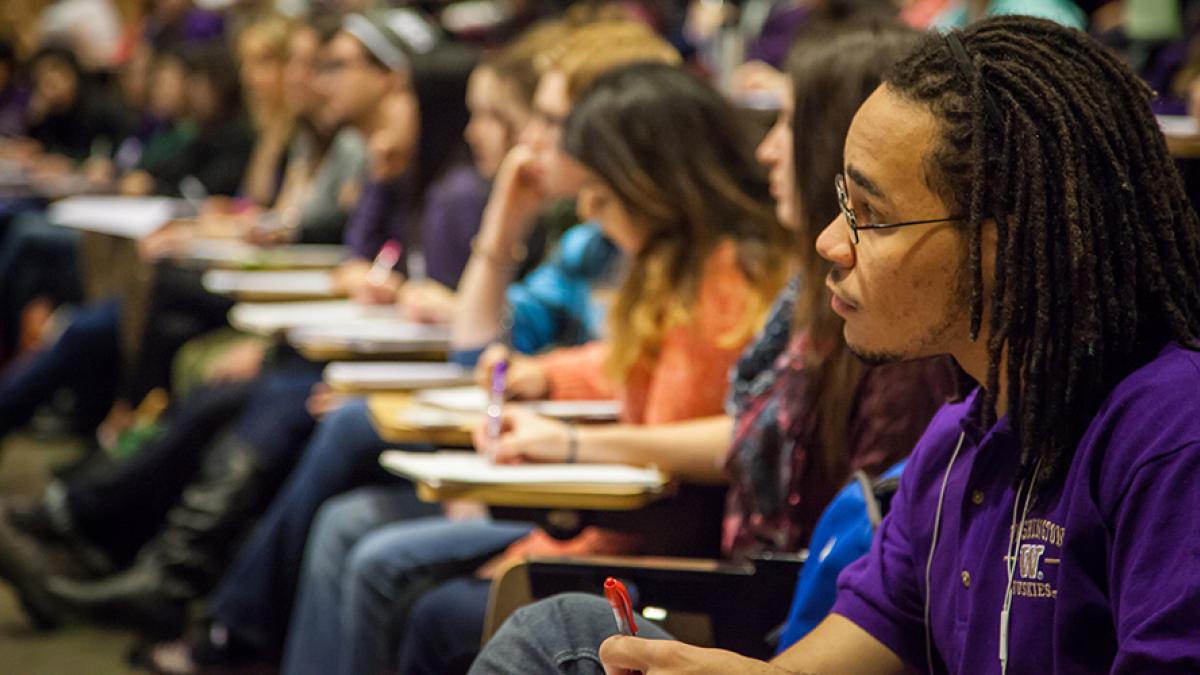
[(1051, 137)]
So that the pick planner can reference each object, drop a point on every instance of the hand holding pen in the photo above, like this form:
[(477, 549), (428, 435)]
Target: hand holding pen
[(495, 408), (626, 654)]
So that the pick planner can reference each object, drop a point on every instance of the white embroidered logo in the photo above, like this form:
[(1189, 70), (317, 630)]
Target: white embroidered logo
[(1031, 561)]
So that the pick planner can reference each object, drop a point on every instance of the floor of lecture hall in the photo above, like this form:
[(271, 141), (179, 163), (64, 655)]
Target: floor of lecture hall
[(77, 649)]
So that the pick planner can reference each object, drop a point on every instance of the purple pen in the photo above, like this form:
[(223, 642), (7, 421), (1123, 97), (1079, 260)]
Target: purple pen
[(495, 407)]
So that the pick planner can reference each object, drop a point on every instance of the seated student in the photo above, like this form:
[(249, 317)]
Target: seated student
[(667, 174), (67, 119), (66, 113), (324, 160), (247, 463), (498, 95), (218, 154), (261, 49), (252, 603), (1008, 200), (87, 356), (305, 166), (551, 306)]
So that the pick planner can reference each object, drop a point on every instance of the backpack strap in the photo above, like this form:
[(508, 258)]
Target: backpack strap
[(874, 513)]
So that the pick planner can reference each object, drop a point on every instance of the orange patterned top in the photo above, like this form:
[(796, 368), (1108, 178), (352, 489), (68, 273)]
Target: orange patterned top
[(688, 380), (690, 376)]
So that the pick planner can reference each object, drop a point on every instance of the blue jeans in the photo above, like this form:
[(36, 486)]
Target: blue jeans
[(445, 628), (86, 358), (275, 421), (362, 574), (561, 634), (254, 598)]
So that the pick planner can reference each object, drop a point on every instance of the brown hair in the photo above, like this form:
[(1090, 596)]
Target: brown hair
[(833, 70), (672, 151)]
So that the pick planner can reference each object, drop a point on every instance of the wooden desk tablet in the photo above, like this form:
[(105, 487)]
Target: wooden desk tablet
[(399, 419), (563, 486)]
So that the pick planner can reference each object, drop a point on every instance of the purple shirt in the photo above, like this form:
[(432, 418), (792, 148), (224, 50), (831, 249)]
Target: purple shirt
[(1108, 574), (453, 208)]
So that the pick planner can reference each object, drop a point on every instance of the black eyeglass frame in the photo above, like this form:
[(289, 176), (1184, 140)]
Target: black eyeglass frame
[(843, 198)]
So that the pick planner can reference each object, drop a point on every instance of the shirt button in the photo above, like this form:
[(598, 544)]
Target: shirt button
[(794, 499), (977, 497), (966, 578)]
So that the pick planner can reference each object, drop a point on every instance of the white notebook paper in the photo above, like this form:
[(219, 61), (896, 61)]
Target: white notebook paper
[(267, 318), (475, 400), (393, 375), (277, 283), (231, 253), (379, 336), (471, 468), (1179, 125), (129, 217)]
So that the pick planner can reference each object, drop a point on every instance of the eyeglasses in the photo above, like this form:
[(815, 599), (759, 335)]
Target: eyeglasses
[(843, 197), (336, 66)]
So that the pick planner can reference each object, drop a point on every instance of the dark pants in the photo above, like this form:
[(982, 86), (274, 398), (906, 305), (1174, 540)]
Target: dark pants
[(86, 359), (445, 628), (255, 597), (121, 508), (36, 258)]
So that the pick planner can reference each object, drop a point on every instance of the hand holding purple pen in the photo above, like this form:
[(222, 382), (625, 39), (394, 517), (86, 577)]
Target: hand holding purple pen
[(495, 409)]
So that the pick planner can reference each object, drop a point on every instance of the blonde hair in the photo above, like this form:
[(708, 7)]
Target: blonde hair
[(597, 47), (273, 30), (519, 62)]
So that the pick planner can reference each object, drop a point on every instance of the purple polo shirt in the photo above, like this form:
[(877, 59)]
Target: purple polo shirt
[(1108, 578)]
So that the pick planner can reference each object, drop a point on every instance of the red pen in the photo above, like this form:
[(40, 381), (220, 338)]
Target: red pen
[(618, 599)]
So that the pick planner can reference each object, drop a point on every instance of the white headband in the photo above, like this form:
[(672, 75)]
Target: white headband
[(380, 34)]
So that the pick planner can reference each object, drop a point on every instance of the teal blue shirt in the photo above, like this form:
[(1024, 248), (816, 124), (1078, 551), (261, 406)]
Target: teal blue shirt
[(1065, 12)]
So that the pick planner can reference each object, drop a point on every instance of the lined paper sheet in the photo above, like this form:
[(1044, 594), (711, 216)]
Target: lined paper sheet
[(472, 468), (281, 283), (375, 336), (266, 318), (394, 375), (475, 400), (128, 217)]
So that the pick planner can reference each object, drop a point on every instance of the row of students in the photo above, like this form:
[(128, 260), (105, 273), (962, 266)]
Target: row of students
[(240, 463), (702, 266), (343, 568), (1027, 531)]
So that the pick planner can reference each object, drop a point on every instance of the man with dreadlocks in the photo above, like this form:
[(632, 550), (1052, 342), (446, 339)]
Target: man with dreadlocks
[(1008, 199)]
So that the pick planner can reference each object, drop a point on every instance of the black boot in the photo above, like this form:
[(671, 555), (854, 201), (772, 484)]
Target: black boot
[(23, 563), (187, 557), (47, 519)]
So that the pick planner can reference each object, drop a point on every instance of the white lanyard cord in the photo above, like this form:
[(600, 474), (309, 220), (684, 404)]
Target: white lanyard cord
[(937, 523), (1013, 551)]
